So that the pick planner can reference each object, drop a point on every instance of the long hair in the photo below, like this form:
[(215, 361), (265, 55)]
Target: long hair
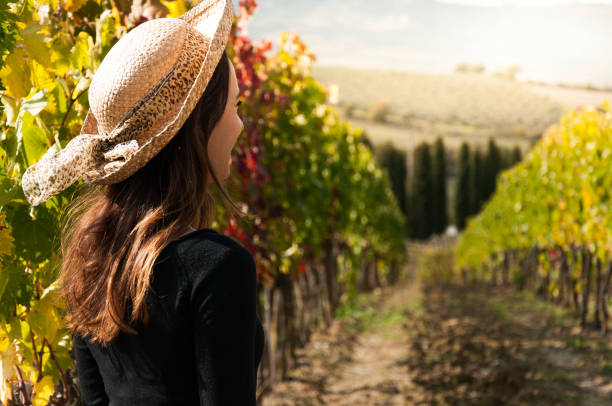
[(113, 234)]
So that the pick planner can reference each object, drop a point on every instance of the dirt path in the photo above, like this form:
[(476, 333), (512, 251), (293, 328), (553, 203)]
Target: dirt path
[(450, 345)]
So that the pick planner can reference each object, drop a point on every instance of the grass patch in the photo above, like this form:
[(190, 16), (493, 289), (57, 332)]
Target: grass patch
[(499, 310), (357, 311), (578, 342), (394, 316), (352, 307)]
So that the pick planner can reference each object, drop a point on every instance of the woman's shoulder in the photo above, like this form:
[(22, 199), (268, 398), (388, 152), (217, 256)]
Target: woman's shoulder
[(205, 250)]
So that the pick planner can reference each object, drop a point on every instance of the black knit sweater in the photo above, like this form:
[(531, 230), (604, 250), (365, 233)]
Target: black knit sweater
[(203, 342)]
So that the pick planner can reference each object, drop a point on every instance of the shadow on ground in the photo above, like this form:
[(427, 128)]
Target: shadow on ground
[(477, 345), (450, 344)]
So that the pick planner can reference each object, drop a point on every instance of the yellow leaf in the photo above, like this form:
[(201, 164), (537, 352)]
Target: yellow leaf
[(44, 389), (4, 343), (73, 5), (116, 13), (6, 240), (44, 317), (176, 8), (7, 359), (34, 43), (40, 77), (284, 266), (83, 84), (60, 54), (587, 195), (15, 75), (81, 52), (74, 127)]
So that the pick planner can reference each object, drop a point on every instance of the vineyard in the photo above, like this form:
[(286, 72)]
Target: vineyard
[(547, 227), (335, 231), (329, 234)]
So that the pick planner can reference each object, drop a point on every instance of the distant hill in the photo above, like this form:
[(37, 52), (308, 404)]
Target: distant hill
[(464, 102), (572, 96)]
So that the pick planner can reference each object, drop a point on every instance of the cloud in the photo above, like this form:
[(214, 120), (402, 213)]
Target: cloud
[(388, 23)]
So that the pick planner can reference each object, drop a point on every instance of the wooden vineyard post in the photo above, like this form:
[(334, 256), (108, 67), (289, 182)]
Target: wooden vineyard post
[(598, 293), (585, 285), (604, 298), (564, 281)]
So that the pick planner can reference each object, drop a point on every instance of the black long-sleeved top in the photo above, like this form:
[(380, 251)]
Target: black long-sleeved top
[(204, 340)]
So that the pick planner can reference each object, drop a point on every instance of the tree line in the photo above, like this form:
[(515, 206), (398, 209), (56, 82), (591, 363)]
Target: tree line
[(422, 191)]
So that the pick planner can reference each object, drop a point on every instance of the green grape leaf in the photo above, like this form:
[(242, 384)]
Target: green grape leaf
[(17, 288), (6, 240), (9, 189), (10, 109), (35, 102), (34, 43), (62, 137), (59, 96), (91, 9), (44, 317), (8, 142), (83, 84), (4, 279), (60, 54), (33, 140), (105, 33), (34, 229), (80, 56)]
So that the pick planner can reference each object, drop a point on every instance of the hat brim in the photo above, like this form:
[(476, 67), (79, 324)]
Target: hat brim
[(213, 19)]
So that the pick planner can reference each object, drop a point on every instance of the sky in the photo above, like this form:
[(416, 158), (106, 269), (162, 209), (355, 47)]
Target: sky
[(550, 40), (497, 3)]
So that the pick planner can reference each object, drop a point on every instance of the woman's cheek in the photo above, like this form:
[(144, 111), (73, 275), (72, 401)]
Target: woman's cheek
[(239, 124)]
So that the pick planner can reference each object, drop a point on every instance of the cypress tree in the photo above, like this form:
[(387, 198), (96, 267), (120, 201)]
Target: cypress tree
[(492, 168), (410, 211), (422, 192), (365, 140), (440, 218), (393, 161), (477, 181), (516, 155), (506, 158), (462, 195)]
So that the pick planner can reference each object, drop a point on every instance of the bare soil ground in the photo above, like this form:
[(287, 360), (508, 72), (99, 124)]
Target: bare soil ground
[(446, 344)]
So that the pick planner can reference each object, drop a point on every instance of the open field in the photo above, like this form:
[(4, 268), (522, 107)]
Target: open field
[(407, 138), (574, 98), (472, 100), (457, 107)]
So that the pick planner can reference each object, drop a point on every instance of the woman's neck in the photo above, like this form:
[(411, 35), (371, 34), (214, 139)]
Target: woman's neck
[(189, 230)]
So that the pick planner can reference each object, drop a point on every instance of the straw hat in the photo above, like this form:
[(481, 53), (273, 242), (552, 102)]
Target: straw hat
[(139, 98)]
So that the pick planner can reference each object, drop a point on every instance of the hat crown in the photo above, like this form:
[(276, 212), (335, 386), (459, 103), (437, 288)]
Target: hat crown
[(133, 66), (142, 93)]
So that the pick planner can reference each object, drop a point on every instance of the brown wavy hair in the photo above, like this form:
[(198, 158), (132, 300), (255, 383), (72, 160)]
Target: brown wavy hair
[(112, 234)]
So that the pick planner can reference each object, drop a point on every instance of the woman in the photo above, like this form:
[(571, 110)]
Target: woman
[(161, 313)]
